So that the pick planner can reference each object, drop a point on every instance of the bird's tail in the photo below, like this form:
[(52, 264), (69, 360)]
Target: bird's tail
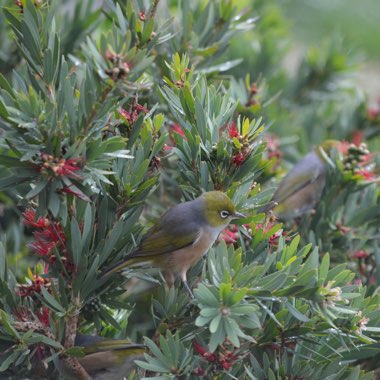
[(269, 206), (127, 262), (115, 344)]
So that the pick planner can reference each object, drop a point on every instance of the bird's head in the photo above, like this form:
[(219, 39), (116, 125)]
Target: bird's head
[(327, 146), (219, 209)]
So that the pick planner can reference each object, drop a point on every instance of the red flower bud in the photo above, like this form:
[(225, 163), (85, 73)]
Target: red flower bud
[(238, 159)]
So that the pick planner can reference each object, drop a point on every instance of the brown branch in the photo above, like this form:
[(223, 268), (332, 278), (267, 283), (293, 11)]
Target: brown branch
[(70, 362), (34, 326), (76, 371), (154, 8), (71, 330)]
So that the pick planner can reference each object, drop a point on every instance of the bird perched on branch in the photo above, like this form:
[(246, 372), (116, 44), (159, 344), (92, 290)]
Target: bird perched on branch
[(105, 358), (302, 187), (182, 236)]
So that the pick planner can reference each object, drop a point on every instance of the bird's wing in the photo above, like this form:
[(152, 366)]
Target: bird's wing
[(93, 344), (177, 229), (302, 174), (161, 240)]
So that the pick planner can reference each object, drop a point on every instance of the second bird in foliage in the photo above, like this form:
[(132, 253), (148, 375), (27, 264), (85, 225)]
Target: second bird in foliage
[(302, 187)]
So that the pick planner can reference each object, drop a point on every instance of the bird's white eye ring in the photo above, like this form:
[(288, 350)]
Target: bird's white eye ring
[(224, 214)]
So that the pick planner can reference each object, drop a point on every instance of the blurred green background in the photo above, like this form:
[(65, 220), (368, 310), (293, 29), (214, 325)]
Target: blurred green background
[(312, 22)]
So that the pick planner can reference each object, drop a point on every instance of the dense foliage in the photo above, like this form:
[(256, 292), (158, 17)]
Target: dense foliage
[(110, 115)]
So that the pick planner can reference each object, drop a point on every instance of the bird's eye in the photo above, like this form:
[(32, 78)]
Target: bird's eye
[(224, 214)]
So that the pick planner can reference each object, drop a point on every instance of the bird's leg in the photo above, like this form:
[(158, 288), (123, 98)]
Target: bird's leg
[(169, 278), (183, 275), (187, 287)]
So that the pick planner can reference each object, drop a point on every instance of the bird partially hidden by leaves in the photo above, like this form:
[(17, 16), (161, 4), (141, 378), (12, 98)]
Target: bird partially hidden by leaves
[(182, 236), (302, 188), (104, 358)]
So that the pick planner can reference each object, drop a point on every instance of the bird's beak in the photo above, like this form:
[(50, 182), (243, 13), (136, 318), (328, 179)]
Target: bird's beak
[(238, 215)]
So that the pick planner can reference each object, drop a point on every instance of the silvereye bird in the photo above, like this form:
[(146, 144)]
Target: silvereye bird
[(302, 187), (105, 358), (182, 236)]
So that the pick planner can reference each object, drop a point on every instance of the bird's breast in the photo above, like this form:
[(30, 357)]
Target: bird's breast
[(185, 258)]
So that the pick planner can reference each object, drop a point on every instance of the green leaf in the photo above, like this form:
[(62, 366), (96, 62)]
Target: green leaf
[(51, 301), (324, 267), (76, 241), (39, 186)]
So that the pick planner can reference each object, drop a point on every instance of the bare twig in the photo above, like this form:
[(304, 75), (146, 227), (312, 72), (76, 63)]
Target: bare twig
[(154, 8)]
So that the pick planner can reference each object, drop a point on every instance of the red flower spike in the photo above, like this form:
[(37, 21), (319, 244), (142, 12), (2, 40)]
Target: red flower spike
[(343, 147), (228, 236), (198, 348), (139, 108), (226, 365), (273, 147), (21, 314), (43, 315), (177, 129), (42, 248), (142, 16), (67, 168), (367, 175), (357, 137), (232, 130), (238, 159), (199, 371), (360, 254), (34, 287), (373, 113), (30, 219)]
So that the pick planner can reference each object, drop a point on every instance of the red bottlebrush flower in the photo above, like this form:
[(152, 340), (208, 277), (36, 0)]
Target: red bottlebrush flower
[(373, 113), (77, 193), (139, 108), (238, 159), (126, 67), (199, 371), (21, 314), (232, 130), (34, 287), (211, 357), (343, 229), (67, 168), (43, 315), (58, 167), (127, 115), (361, 254), (132, 116), (228, 236), (226, 365), (142, 16), (343, 147), (357, 137), (273, 147), (273, 239), (30, 217), (42, 247), (198, 348), (366, 174), (177, 129), (109, 55)]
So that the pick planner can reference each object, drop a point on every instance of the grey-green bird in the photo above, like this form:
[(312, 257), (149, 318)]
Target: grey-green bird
[(182, 236), (302, 187), (105, 358)]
